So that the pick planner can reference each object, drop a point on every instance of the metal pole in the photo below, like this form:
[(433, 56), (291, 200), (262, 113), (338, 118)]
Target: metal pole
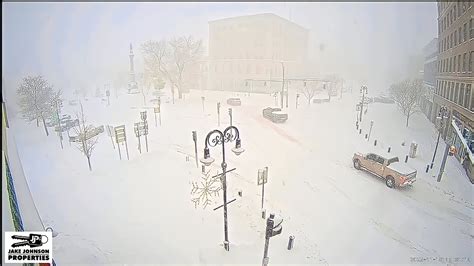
[(139, 144), (443, 163), (263, 193), (126, 147), (218, 115), (146, 142), (282, 83), (120, 155), (436, 148), (370, 131), (362, 104), (195, 148), (224, 188), (267, 243)]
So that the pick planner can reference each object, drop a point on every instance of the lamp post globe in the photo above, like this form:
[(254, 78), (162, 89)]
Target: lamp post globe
[(237, 150), (207, 160)]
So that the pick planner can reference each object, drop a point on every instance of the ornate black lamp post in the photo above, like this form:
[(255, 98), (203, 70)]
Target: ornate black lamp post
[(213, 139)]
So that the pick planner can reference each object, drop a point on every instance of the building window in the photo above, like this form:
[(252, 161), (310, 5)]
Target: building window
[(454, 63), (461, 96), (456, 91), (465, 31), (464, 62), (459, 63), (460, 35), (455, 37), (471, 55), (471, 29), (468, 88)]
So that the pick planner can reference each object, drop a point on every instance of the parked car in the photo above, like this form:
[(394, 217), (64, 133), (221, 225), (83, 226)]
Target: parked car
[(383, 99), (234, 101), (94, 132), (275, 115), (394, 173)]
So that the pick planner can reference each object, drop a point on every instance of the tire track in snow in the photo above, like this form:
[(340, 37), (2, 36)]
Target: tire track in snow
[(389, 232)]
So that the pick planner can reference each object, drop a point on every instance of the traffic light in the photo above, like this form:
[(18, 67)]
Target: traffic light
[(274, 226), (305, 83)]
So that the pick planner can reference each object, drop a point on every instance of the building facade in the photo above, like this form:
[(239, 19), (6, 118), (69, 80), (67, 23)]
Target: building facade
[(454, 82), (258, 47), (430, 71)]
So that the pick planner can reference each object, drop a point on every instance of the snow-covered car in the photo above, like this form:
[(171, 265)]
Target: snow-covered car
[(319, 100), (396, 174), (94, 132), (275, 115), (234, 101), (383, 99), (54, 122)]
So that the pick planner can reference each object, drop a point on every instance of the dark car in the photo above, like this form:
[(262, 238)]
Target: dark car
[(275, 115), (234, 101)]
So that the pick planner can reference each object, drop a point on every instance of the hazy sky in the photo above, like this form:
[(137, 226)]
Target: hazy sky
[(83, 44)]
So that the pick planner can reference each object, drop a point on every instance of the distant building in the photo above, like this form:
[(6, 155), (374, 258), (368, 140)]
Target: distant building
[(430, 71), (454, 82), (254, 47)]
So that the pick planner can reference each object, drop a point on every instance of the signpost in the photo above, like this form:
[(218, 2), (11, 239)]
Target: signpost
[(202, 99), (218, 114), (262, 179), (110, 133), (230, 115), (195, 148), (107, 93), (141, 129), (274, 228), (370, 131), (143, 116), (121, 137)]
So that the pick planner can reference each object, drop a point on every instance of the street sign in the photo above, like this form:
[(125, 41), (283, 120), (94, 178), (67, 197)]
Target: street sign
[(110, 129), (107, 93), (141, 128), (120, 135), (262, 177)]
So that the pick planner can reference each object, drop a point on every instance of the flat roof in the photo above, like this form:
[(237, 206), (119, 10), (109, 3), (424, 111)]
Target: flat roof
[(259, 15)]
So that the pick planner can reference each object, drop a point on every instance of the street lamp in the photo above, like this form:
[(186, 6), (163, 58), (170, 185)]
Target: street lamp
[(213, 139), (442, 115)]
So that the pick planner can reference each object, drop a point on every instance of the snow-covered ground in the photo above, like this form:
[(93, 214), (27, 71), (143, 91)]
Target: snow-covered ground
[(139, 211)]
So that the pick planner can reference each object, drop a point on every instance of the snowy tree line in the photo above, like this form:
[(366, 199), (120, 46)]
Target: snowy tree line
[(39, 101)]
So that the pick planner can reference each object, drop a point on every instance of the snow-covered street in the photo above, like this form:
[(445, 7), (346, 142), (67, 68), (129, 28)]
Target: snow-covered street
[(139, 211)]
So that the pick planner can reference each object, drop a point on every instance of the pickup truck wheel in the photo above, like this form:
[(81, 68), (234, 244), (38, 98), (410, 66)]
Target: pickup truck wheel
[(390, 182), (357, 164)]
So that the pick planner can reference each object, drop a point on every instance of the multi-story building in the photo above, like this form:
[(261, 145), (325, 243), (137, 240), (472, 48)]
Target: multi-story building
[(454, 82), (430, 71), (258, 47)]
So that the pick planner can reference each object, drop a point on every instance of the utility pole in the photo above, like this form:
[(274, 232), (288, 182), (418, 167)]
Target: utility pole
[(443, 163), (442, 116), (363, 90), (273, 228)]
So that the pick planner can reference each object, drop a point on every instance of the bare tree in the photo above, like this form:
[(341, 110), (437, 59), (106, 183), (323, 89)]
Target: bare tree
[(407, 94), (35, 97), (309, 92), (171, 59), (86, 137)]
